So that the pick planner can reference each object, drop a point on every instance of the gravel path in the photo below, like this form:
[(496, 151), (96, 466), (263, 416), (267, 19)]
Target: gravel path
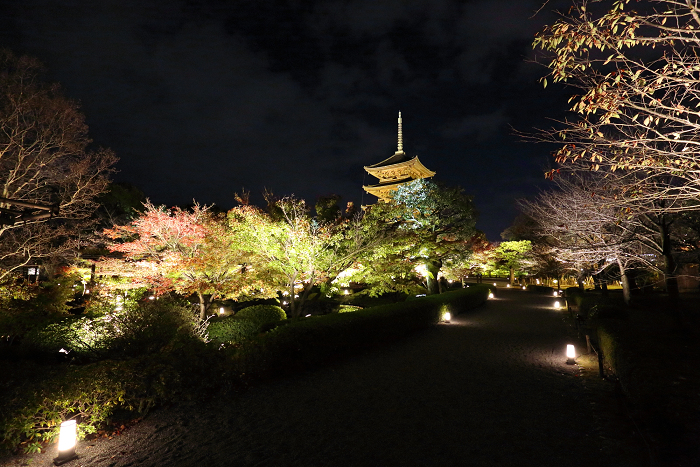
[(490, 389)]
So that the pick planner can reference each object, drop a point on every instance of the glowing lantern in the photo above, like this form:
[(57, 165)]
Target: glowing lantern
[(490, 294), (556, 304), (346, 292), (152, 297), (555, 293), (447, 316), (221, 310), (494, 284), (67, 438), (570, 354), (507, 285), (524, 288)]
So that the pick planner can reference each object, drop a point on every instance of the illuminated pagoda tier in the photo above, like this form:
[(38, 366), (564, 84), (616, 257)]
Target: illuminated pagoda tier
[(395, 171)]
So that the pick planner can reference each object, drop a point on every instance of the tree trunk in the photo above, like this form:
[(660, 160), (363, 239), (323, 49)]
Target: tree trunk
[(624, 278), (512, 276), (292, 301), (670, 277), (433, 267), (304, 295), (202, 306)]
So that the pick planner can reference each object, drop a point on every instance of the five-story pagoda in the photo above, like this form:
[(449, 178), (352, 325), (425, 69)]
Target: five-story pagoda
[(394, 171)]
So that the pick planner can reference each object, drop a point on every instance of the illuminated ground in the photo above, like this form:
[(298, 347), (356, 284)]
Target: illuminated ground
[(490, 389)]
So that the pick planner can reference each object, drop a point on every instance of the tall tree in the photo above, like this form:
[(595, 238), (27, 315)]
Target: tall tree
[(44, 160), (635, 65), (189, 252), (439, 220), (513, 255)]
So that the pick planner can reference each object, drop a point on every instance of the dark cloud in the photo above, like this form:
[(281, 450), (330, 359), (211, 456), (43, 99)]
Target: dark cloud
[(200, 99)]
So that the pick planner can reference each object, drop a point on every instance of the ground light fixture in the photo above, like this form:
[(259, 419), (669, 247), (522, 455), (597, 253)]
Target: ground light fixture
[(570, 354), (557, 304), (221, 310), (447, 316), (494, 284), (524, 288), (555, 293), (507, 285), (67, 438), (490, 294)]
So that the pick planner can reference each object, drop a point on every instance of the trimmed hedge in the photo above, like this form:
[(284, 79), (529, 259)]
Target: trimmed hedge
[(540, 288), (262, 314), (232, 329), (306, 343)]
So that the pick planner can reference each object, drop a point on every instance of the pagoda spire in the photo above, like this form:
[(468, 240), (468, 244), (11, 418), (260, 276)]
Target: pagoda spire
[(400, 148)]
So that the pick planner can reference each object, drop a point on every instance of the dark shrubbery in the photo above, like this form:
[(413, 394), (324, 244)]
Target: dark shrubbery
[(540, 289), (231, 329), (307, 342), (262, 314), (135, 330), (245, 324), (321, 307)]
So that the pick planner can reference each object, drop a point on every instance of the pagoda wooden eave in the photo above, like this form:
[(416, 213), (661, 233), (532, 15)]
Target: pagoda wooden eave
[(386, 172)]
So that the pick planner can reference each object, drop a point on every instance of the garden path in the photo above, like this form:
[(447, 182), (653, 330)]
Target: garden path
[(492, 388)]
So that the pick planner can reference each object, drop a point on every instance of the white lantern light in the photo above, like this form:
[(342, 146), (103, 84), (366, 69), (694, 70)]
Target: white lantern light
[(570, 354), (221, 310), (507, 285), (67, 438), (490, 294), (555, 293), (524, 288), (494, 284), (557, 304), (447, 316)]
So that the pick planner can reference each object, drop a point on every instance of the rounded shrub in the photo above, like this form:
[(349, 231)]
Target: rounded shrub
[(232, 329), (262, 314)]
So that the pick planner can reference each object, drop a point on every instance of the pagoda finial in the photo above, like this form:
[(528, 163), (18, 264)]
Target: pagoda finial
[(400, 149)]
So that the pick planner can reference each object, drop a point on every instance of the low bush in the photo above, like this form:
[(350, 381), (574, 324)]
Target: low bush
[(540, 289), (231, 329), (307, 342), (262, 314), (320, 307), (348, 308), (32, 415), (135, 330)]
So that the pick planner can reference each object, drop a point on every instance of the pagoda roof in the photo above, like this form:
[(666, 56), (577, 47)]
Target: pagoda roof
[(398, 158), (388, 183)]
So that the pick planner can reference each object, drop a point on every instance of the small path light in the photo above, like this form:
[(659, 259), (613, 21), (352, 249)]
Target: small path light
[(221, 310), (507, 285), (556, 294), (524, 288), (557, 304), (570, 354), (490, 294), (494, 284), (67, 438), (447, 316)]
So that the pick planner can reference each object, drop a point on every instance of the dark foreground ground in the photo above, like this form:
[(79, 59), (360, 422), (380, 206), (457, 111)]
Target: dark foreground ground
[(490, 389)]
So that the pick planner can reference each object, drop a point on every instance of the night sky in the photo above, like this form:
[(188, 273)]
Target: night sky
[(202, 99)]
